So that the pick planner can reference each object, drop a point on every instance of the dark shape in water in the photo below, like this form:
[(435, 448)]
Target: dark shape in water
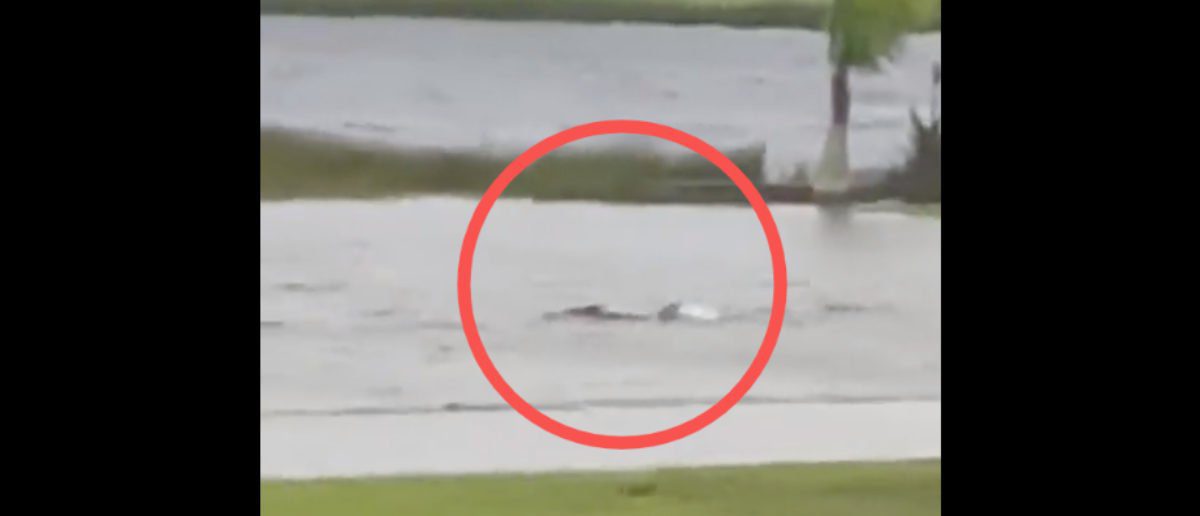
[(843, 307), (670, 312), (595, 312)]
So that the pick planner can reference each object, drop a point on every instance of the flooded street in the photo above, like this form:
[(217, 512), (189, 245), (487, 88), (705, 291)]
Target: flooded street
[(365, 368), (472, 84), (360, 315)]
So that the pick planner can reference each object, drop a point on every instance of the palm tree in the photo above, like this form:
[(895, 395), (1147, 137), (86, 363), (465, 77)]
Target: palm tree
[(862, 34)]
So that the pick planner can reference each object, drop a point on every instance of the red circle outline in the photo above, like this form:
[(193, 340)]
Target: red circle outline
[(778, 302)]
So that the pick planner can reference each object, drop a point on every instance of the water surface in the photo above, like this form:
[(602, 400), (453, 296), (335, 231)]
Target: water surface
[(360, 315), (507, 85)]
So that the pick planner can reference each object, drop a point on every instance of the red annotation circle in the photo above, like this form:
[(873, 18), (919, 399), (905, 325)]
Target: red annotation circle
[(778, 302)]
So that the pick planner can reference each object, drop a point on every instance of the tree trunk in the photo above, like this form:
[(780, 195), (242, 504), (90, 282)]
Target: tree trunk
[(840, 90), (833, 171)]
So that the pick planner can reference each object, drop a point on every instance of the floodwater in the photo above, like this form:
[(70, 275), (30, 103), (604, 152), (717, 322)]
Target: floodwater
[(365, 368), (472, 84), (360, 314)]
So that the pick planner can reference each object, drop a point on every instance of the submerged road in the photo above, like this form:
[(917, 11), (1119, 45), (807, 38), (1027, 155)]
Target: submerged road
[(506, 85)]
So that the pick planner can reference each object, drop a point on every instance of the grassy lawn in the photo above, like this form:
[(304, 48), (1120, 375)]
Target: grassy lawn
[(893, 489), (773, 13), (297, 166)]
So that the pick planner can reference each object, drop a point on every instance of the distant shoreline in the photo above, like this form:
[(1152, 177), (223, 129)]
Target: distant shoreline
[(302, 165), (297, 165), (806, 14)]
